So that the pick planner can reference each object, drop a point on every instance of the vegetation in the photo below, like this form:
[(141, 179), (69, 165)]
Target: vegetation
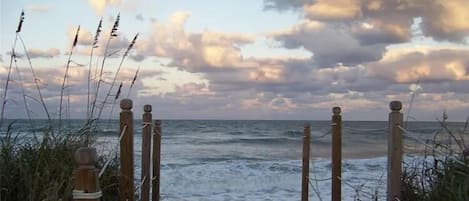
[(443, 174), (41, 168), (38, 165)]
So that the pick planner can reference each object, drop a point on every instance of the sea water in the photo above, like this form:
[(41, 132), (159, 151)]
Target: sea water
[(261, 160)]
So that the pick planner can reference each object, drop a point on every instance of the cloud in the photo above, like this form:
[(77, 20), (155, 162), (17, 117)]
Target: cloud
[(139, 17), (281, 5), (100, 5), (117, 45), (17, 54), (378, 33), (50, 82), (354, 64), (330, 44), (85, 37), (333, 10), (447, 20), (204, 51), (425, 66), (39, 8), (137, 57), (49, 53), (389, 21)]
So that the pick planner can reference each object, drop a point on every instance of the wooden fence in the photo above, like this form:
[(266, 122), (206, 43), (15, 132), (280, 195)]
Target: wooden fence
[(394, 169), (86, 175)]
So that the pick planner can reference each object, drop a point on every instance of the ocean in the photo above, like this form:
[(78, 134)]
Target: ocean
[(240, 160)]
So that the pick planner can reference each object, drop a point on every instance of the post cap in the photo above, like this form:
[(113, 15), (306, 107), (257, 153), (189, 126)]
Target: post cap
[(395, 106), (157, 122), (85, 156), (126, 104), (336, 110), (147, 108)]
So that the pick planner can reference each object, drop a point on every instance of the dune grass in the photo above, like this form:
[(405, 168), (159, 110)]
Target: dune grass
[(42, 170), (40, 166), (443, 174)]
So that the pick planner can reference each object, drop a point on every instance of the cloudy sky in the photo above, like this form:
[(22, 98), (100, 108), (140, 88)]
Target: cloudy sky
[(243, 59)]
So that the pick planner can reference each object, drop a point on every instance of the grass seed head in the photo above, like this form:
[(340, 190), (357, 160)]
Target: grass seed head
[(20, 24)]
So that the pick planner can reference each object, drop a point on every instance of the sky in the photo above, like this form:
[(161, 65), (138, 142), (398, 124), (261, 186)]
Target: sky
[(239, 59)]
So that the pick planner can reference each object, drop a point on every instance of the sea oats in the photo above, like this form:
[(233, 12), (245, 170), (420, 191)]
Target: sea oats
[(20, 24)]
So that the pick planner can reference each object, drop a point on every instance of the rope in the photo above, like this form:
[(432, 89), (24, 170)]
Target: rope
[(110, 158), (157, 132), (139, 186), (429, 146), (364, 130), (122, 133), (358, 189), (145, 124), (315, 188), (321, 136), (325, 179), (82, 195)]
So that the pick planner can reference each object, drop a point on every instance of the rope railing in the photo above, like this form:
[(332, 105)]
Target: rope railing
[(359, 189), (101, 172), (315, 185), (455, 159), (321, 136), (347, 128)]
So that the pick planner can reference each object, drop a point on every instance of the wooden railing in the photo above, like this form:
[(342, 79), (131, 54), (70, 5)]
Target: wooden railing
[(394, 167), (86, 179)]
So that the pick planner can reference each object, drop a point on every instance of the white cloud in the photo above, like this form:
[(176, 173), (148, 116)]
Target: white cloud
[(49, 53), (333, 9), (441, 20), (425, 65), (39, 8), (194, 51), (100, 5)]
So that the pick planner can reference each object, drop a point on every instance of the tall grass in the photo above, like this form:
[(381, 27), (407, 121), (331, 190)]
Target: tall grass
[(93, 46), (25, 102), (36, 170), (108, 94), (40, 168), (443, 174), (36, 84), (100, 80), (12, 57), (64, 80)]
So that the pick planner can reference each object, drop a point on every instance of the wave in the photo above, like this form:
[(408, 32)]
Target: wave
[(250, 140), (263, 180)]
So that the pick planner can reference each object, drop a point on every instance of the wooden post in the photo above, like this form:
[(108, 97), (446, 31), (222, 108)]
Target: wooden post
[(336, 154), (126, 177), (86, 184), (305, 170), (156, 161), (146, 145), (394, 151)]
